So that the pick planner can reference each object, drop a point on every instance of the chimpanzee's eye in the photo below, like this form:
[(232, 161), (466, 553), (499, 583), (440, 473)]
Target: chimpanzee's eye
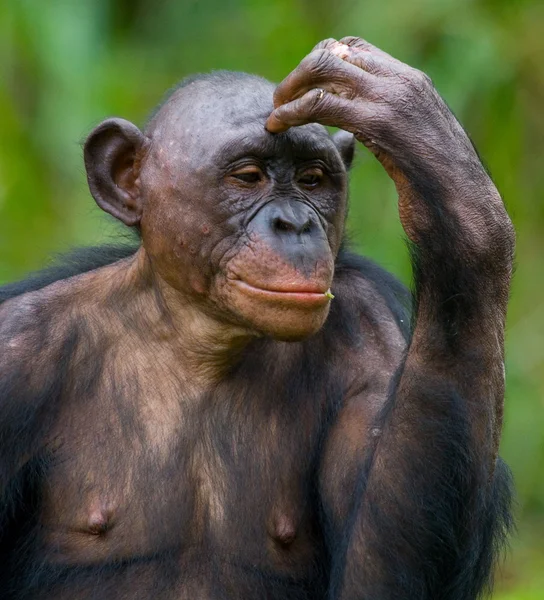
[(311, 178), (249, 175)]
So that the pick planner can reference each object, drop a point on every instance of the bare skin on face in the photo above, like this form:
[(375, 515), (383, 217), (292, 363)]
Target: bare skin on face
[(237, 408), (268, 206)]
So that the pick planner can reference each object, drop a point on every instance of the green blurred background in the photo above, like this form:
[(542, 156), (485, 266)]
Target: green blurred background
[(66, 65)]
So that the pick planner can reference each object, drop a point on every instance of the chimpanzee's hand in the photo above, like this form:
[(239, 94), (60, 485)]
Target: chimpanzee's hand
[(391, 108)]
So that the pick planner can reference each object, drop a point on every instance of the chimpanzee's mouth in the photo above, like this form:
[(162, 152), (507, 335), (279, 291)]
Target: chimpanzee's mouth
[(307, 294)]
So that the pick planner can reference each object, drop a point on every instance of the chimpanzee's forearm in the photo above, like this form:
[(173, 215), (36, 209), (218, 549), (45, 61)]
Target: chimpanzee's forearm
[(462, 264), (431, 488)]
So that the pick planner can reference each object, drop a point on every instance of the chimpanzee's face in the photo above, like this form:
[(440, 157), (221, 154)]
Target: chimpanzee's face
[(245, 222), (248, 221)]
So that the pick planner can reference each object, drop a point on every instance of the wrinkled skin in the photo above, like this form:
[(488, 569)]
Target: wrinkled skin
[(199, 420), (208, 245), (392, 108)]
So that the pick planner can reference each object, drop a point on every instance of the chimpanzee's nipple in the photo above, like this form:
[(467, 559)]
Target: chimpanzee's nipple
[(100, 521), (284, 530)]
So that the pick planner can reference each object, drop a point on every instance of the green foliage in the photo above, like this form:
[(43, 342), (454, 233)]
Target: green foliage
[(67, 65)]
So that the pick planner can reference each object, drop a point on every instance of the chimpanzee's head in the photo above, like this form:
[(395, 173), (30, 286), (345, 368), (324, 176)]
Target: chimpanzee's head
[(244, 223)]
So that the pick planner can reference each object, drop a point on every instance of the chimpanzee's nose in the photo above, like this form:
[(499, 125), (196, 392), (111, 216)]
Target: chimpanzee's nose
[(293, 230), (290, 218)]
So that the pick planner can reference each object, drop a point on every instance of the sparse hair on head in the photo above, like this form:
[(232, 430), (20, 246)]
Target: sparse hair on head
[(219, 78)]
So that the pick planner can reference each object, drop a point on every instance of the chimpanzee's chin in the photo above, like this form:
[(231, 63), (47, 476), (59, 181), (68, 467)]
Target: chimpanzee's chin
[(291, 326)]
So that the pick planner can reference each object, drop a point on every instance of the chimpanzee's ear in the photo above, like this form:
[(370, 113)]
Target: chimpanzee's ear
[(345, 142), (110, 153)]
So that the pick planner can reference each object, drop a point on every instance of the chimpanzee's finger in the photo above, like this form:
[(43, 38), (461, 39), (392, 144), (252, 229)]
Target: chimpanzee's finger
[(363, 54), (357, 43), (325, 44), (367, 57), (366, 61), (322, 69), (316, 106)]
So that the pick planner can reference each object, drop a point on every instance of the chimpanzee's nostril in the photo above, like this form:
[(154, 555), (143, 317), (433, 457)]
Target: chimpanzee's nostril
[(307, 227), (283, 224), (288, 219), (280, 224)]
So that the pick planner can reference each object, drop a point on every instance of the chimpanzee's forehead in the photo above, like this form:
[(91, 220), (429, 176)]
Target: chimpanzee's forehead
[(209, 103), (252, 139), (208, 119)]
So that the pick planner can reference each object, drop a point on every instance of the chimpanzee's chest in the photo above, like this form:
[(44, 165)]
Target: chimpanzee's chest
[(209, 496)]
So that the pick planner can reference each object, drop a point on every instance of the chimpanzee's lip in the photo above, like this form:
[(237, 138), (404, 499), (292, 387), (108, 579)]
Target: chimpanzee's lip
[(305, 293)]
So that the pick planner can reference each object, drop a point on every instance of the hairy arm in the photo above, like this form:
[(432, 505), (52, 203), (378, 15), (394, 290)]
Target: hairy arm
[(428, 502)]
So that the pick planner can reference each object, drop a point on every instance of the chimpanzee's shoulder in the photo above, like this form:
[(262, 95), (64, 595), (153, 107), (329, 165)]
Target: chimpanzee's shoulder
[(365, 287), (76, 262), (33, 321), (40, 311)]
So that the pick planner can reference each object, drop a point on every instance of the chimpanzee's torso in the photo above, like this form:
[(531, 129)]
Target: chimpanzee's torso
[(186, 500), (156, 492)]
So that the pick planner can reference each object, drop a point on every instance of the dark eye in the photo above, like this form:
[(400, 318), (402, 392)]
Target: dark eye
[(311, 179), (248, 175)]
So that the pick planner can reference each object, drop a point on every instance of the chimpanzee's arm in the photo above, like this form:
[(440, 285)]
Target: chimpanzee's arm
[(33, 370), (429, 500)]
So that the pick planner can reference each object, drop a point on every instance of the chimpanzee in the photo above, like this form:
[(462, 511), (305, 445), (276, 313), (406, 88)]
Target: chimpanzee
[(240, 408)]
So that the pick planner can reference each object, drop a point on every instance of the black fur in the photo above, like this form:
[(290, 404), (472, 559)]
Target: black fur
[(76, 262), (436, 538)]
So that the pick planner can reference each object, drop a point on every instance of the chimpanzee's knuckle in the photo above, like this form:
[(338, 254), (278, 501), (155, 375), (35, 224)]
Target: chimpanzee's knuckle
[(420, 79), (315, 101), (325, 44), (353, 40), (321, 107), (319, 63), (329, 109)]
